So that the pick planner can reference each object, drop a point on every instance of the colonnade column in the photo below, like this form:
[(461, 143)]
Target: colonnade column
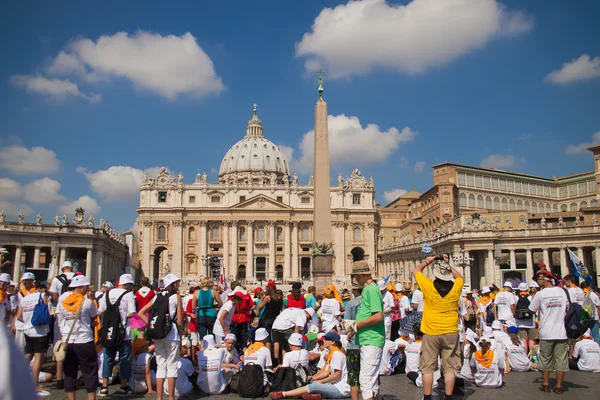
[(597, 259), (147, 257), (17, 265), (546, 258), (467, 269), (225, 249), (176, 266), (272, 244), (564, 267), (250, 250), (100, 267), (294, 274), (513, 260), (529, 262), (88, 267), (203, 253), (234, 249), (489, 274), (36, 258), (286, 250)]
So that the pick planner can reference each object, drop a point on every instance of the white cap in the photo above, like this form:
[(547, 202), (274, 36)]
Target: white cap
[(108, 285), (209, 342), (310, 311), (295, 339), (79, 281), (170, 279), (125, 279), (523, 287), (486, 289), (488, 331), (5, 278), (313, 329), (261, 334), (399, 287), (28, 275), (486, 338), (66, 264), (13, 283), (496, 325), (508, 284), (381, 284), (230, 336), (534, 284)]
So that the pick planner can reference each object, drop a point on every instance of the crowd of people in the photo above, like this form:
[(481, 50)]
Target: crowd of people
[(169, 341)]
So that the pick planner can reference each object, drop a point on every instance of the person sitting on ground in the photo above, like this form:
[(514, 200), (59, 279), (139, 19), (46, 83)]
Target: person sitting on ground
[(185, 376), (257, 353), (504, 305), (516, 353), (586, 354), (413, 358), (210, 365), (142, 378), (487, 365), (296, 356), (330, 381), (232, 361), (466, 373)]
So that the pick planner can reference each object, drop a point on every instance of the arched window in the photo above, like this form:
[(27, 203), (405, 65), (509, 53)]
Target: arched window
[(463, 200), (594, 203), (242, 234), (563, 207), (534, 207), (573, 207), (512, 204), (504, 204), (304, 233), (471, 200), (191, 233), (527, 206), (356, 234), (488, 202), (214, 232), (555, 208), (162, 233), (583, 204), (279, 234), (519, 204), (260, 232), (496, 203), (480, 201)]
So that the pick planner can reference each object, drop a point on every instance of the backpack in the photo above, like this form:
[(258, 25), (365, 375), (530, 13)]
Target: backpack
[(62, 278), (112, 332), (589, 306), (301, 374), (160, 321), (41, 315), (522, 307), (250, 382), (285, 379), (577, 320), (489, 313)]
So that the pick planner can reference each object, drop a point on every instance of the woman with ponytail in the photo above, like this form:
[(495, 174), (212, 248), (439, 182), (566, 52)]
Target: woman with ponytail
[(487, 365)]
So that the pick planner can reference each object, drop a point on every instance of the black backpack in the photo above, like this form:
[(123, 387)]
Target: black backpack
[(489, 313), (112, 331), (522, 308), (285, 379), (577, 320), (160, 321), (251, 383), (62, 278)]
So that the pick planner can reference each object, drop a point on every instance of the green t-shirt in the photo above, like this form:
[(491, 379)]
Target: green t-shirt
[(370, 302)]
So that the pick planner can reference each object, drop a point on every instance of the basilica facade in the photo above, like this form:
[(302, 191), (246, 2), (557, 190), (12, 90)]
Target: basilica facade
[(255, 222)]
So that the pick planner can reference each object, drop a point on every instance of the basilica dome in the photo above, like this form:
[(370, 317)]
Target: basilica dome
[(254, 159)]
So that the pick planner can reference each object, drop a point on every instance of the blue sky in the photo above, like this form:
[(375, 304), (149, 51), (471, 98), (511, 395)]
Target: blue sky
[(92, 94)]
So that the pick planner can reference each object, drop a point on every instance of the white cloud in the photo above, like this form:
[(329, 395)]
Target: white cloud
[(420, 166), (43, 191), (89, 204), (501, 161), (21, 160), (581, 69), (581, 148), (9, 189), (354, 38), (13, 209), (169, 65), (54, 89), (134, 228), (350, 143), (117, 183), (403, 162), (393, 194), (288, 152)]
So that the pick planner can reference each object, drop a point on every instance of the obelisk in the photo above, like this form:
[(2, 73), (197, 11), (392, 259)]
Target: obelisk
[(322, 269)]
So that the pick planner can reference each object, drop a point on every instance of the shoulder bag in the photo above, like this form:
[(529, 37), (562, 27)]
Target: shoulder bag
[(60, 347)]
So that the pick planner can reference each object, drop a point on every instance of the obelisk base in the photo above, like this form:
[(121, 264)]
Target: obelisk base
[(322, 271)]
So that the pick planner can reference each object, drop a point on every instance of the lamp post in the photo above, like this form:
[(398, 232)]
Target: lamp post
[(212, 262), (462, 260)]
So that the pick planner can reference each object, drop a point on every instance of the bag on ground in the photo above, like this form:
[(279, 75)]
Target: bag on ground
[(284, 380), (251, 383)]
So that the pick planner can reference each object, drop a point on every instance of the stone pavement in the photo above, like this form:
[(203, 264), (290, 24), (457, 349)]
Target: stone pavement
[(578, 385)]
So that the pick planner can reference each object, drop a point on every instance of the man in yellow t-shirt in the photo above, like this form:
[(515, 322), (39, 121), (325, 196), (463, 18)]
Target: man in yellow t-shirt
[(440, 322)]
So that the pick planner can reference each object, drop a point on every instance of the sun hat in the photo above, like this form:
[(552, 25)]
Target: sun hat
[(361, 268), (230, 336), (496, 325), (534, 284), (127, 278), (66, 264), (261, 334), (313, 329), (487, 330), (523, 287), (508, 284), (258, 290), (5, 278), (486, 289), (310, 311), (486, 338), (295, 339), (399, 287), (209, 342), (13, 283), (271, 283), (332, 336), (239, 295), (512, 329), (169, 279), (356, 286), (28, 275), (79, 281), (381, 284), (442, 271), (108, 284)]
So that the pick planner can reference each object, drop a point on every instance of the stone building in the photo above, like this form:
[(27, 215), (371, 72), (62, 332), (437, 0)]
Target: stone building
[(257, 219), (498, 225), (97, 251)]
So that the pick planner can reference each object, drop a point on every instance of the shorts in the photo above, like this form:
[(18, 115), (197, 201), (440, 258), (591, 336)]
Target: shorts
[(553, 355), (370, 360), (353, 365), (445, 346), (528, 333), (34, 345), (282, 337)]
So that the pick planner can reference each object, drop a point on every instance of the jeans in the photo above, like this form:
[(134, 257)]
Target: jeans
[(124, 350), (595, 333), (327, 390)]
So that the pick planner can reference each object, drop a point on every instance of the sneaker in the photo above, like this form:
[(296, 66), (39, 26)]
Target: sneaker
[(43, 393), (124, 391), (102, 392), (311, 396), (276, 395)]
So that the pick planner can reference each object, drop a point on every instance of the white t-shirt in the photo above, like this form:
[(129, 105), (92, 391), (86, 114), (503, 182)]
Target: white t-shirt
[(295, 357), (413, 353), (577, 295), (217, 328), (588, 353), (403, 305), (596, 300), (232, 357), (183, 385), (290, 318), (56, 285), (489, 377), (338, 363), (260, 357), (417, 298), (551, 304), (28, 305), (82, 332), (210, 378), (330, 309), (466, 372), (504, 301), (388, 302), (127, 306), (138, 366), (517, 356)]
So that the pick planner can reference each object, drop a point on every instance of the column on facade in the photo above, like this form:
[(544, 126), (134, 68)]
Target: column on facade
[(272, 245), (234, 250), (147, 256), (513, 259), (467, 269), (88, 268), (546, 258), (580, 253), (203, 250), (226, 248), (294, 274), (36, 258), (250, 250), (338, 238), (564, 266), (177, 263), (63, 258), (370, 239), (489, 273), (17, 264), (101, 263), (529, 261), (287, 251)]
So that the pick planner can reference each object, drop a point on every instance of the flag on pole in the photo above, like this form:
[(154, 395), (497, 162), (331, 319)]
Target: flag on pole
[(222, 280), (579, 269), (427, 249), (386, 280)]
